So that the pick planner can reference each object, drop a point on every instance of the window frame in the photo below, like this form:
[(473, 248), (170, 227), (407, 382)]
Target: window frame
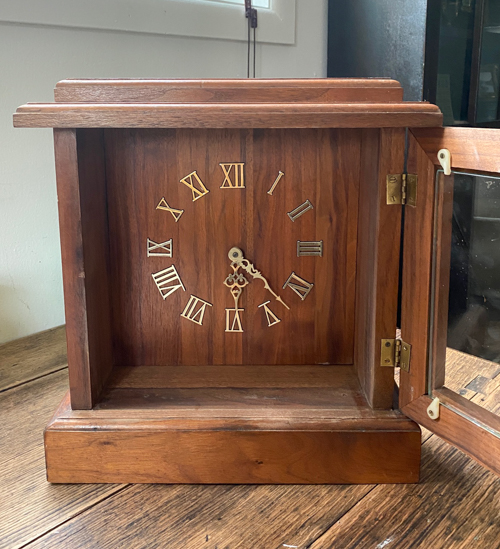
[(194, 18)]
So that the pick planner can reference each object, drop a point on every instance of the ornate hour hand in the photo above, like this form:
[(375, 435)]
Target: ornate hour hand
[(237, 258), (235, 282)]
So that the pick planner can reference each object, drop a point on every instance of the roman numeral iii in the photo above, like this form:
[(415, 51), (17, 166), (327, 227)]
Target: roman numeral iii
[(238, 176), (300, 286), (196, 185), (168, 281), (305, 248), (195, 309)]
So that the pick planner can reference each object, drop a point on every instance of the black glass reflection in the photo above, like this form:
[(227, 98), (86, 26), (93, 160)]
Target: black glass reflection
[(474, 300)]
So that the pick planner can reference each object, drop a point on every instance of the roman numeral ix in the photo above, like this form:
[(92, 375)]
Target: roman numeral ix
[(195, 309), (191, 180), (163, 249), (168, 281), (238, 175), (300, 286)]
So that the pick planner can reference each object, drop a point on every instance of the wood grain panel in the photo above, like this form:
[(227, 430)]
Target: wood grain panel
[(144, 166), (127, 453), (417, 266), (366, 248), (378, 262), (95, 239), (83, 231), (32, 356), (241, 416), (30, 506), (153, 420), (233, 115), (473, 149), (387, 265), (267, 401), (145, 377), (227, 90)]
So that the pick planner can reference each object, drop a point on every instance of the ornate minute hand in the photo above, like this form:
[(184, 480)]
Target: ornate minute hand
[(236, 256)]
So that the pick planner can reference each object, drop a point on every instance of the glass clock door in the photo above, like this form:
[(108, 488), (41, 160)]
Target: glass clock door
[(467, 259), (452, 272)]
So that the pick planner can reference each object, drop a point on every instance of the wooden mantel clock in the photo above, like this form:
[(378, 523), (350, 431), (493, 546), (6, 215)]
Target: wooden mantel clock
[(231, 256)]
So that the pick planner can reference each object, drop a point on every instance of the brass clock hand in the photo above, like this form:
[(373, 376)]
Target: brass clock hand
[(236, 256), (235, 282)]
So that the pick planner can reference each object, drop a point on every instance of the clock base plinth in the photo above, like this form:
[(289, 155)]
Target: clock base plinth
[(151, 446)]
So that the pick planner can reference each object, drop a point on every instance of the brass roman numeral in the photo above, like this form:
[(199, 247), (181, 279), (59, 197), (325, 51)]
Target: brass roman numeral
[(300, 210), (238, 175), (162, 205), (309, 248), (195, 309), (164, 248), (233, 325), (272, 319), (276, 181), (300, 286), (168, 281), (197, 192)]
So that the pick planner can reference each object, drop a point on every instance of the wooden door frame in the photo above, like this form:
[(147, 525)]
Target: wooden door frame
[(423, 325)]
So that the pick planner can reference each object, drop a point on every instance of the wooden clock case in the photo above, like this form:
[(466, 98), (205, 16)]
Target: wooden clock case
[(133, 414)]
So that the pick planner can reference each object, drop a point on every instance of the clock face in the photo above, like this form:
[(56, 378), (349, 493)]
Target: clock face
[(233, 246)]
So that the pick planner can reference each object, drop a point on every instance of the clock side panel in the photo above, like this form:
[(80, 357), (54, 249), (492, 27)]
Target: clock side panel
[(320, 167)]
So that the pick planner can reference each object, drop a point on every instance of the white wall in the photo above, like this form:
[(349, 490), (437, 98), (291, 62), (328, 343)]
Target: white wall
[(32, 59)]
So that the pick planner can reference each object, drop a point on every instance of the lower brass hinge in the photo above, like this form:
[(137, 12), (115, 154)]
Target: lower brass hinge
[(402, 189), (395, 353)]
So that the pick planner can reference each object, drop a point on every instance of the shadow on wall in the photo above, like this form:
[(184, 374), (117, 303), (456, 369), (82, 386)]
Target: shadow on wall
[(10, 305)]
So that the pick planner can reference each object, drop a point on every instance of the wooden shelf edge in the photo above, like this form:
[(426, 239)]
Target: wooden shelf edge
[(229, 82), (229, 115), (210, 376), (307, 90), (353, 418)]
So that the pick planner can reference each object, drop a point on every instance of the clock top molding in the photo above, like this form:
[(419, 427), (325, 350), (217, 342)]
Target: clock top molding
[(226, 103)]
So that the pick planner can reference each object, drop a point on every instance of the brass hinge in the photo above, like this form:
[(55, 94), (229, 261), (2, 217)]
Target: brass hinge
[(395, 352), (402, 189)]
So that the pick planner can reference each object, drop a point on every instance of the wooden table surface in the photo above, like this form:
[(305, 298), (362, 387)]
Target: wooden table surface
[(456, 505)]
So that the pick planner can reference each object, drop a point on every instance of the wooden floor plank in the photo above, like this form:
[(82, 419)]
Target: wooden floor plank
[(456, 506), (29, 505), (191, 517), (462, 369), (32, 357), (457, 503)]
